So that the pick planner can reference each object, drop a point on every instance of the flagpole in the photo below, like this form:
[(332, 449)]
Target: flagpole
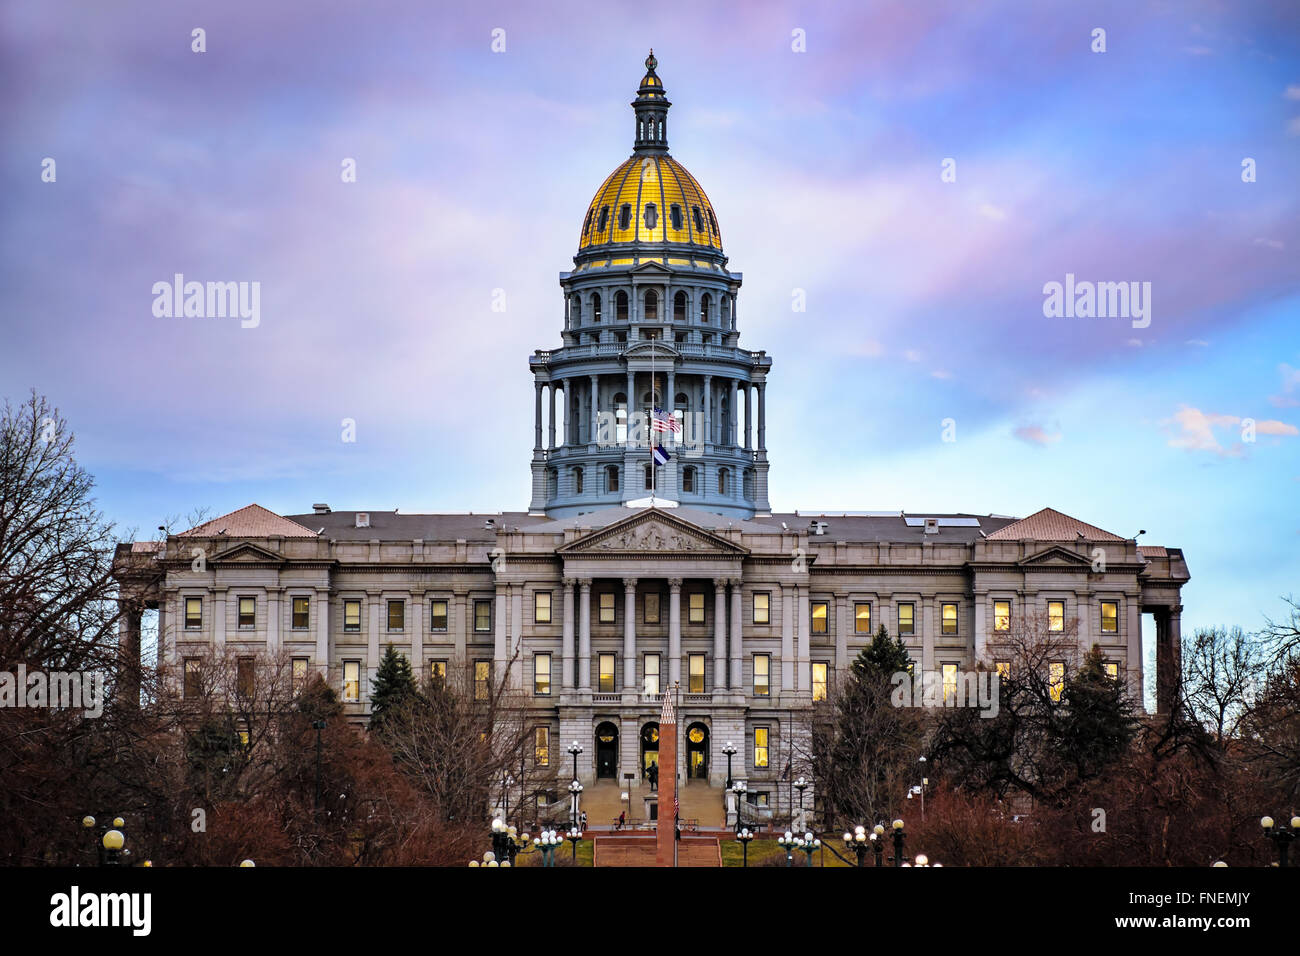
[(654, 417)]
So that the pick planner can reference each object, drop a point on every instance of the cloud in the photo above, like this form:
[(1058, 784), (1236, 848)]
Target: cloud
[(868, 349), (1292, 91), (1036, 435), (1199, 343), (990, 211), (1274, 427), (912, 355), (1196, 430), (1270, 243), (941, 373)]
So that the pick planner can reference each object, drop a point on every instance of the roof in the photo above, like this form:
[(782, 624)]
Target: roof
[(396, 526), (1152, 551), (1051, 525), (251, 521)]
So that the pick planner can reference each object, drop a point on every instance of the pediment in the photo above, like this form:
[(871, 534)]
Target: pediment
[(646, 348), (1057, 557), (652, 531), (245, 553), (657, 267)]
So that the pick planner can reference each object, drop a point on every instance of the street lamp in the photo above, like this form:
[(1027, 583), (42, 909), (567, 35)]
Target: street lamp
[(898, 843), (744, 835), (739, 788), (859, 842), (729, 749), (575, 748), (110, 840), (575, 789), (547, 843), (790, 842), (878, 843), (1281, 836), (801, 785), (574, 836)]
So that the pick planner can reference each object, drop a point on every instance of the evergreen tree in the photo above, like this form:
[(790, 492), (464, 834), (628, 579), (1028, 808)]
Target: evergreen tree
[(394, 685), (1099, 718), (882, 658)]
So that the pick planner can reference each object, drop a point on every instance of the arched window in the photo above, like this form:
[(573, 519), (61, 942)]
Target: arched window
[(679, 307), (640, 129), (675, 214), (688, 480), (699, 223), (604, 219), (649, 476), (575, 312), (620, 306), (625, 215), (611, 477), (595, 307), (680, 406), (722, 481), (706, 305), (651, 215), (660, 137), (577, 481), (651, 305), (620, 418)]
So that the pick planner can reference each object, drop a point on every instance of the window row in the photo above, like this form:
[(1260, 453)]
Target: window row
[(649, 308), (650, 216), (693, 481)]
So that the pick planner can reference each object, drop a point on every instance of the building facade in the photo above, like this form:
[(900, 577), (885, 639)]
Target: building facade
[(626, 579)]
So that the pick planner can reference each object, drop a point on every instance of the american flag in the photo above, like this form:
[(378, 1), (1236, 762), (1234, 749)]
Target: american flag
[(665, 423)]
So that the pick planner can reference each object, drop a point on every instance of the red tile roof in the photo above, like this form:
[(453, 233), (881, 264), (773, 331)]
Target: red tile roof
[(1152, 551), (252, 521), (1050, 525)]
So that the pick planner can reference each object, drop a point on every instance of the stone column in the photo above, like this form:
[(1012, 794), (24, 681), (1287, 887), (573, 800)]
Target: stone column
[(674, 631), (566, 640), (737, 642), (805, 649), (584, 634), (461, 626), (927, 635), (629, 634), (748, 402), (787, 638), (550, 426), (415, 622), (323, 632), (720, 634), (1136, 665), (708, 412), (631, 397), (981, 634), (515, 649), (499, 655), (219, 597), (594, 432), (841, 633), (537, 416), (762, 416), (372, 642), (273, 623)]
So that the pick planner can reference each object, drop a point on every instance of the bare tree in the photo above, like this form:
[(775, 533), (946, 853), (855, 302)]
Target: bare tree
[(1222, 667)]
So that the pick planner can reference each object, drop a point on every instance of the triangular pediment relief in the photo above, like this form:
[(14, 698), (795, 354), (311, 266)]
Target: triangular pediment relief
[(246, 553), (1055, 557), (657, 267), (652, 531)]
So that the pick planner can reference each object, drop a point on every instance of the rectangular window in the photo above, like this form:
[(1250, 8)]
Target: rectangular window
[(351, 615), (820, 615), (1111, 669), (1056, 615), (1003, 668), (193, 613), (762, 607), (695, 674), (606, 673), (299, 672), (542, 675), (695, 607), (247, 612), (482, 617), (652, 673), (542, 607), (193, 678), (542, 747), (949, 618), (818, 681), (1002, 616), (438, 615), (606, 615), (862, 619), (907, 619), (762, 675), (760, 747), (650, 608), (396, 615), (949, 684), (438, 671), (351, 681), (244, 685), (1056, 680), (301, 613), (1110, 617), (482, 679)]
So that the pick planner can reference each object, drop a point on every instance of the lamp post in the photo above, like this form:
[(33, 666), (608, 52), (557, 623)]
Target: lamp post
[(739, 788), (744, 835), (729, 749), (801, 785), (898, 842), (574, 836), (318, 726), (575, 789), (878, 843), (1281, 836), (575, 748), (547, 842), (859, 842), (505, 842), (790, 842), (110, 840)]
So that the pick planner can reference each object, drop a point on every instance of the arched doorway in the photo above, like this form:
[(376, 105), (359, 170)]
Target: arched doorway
[(649, 747), (606, 751), (697, 752)]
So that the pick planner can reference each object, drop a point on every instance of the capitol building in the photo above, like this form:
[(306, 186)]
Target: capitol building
[(648, 557)]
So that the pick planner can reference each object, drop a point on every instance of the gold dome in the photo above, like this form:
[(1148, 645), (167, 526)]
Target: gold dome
[(659, 201)]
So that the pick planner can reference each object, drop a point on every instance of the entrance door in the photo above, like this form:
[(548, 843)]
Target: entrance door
[(607, 751), (697, 752), (649, 747)]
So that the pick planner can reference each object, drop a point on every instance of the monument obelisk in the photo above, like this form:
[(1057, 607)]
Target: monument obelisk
[(666, 827)]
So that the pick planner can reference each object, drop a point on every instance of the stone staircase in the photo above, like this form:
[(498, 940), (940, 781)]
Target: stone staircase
[(696, 801)]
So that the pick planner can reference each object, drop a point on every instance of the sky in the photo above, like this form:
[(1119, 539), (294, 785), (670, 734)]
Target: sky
[(821, 132)]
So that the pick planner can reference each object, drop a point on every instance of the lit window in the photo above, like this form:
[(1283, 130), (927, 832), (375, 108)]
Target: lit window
[(482, 616), (437, 671), (695, 674), (1110, 617), (542, 747), (760, 746), (542, 675), (862, 618), (482, 679), (247, 611), (606, 672), (1003, 668), (193, 678), (1111, 669), (1002, 616), (299, 674), (762, 675), (193, 613), (1056, 615), (820, 612), (652, 673), (351, 681), (1056, 680), (542, 607), (949, 684), (818, 681), (301, 613), (396, 615), (438, 615), (950, 619), (695, 607), (606, 607), (351, 615), (650, 607), (907, 619), (762, 607)]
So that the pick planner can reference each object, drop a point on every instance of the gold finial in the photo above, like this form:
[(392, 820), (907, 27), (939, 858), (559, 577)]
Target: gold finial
[(650, 61)]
